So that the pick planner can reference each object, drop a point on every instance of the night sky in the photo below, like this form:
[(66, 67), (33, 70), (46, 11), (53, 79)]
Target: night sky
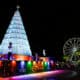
[(47, 24)]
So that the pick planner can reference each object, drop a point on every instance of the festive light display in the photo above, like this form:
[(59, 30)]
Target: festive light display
[(13, 63), (13, 66), (37, 66), (29, 67), (21, 59), (1, 64), (17, 36)]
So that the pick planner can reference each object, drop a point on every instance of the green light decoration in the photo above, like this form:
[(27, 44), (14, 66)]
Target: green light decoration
[(78, 61), (77, 53), (45, 65), (29, 67), (66, 58), (74, 57)]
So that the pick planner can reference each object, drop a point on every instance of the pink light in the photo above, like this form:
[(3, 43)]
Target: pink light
[(52, 62), (38, 75)]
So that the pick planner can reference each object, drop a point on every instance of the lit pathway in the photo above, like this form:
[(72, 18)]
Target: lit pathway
[(37, 76)]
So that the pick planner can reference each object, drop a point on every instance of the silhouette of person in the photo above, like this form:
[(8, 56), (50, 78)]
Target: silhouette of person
[(10, 52), (9, 55)]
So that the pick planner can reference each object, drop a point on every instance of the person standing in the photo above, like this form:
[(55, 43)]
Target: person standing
[(10, 51)]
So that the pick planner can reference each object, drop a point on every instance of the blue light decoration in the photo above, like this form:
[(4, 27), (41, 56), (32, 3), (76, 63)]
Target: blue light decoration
[(21, 67), (48, 68), (22, 64), (17, 36)]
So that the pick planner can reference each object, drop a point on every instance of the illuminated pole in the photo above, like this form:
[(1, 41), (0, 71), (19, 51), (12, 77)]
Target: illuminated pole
[(44, 52), (36, 55)]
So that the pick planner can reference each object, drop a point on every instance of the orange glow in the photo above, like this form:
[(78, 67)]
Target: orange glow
[(37, 66), (1, 78), (22, 57), (44, 58), (14, 63)]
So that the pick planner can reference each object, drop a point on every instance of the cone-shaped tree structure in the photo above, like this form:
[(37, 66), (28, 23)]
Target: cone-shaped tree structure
[(17, 36)]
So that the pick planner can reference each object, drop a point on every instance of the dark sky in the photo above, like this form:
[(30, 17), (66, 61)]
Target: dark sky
[(47, 24)]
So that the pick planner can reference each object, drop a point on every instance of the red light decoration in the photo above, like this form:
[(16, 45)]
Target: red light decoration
[(13, 66), (13, 63), (0, 63)]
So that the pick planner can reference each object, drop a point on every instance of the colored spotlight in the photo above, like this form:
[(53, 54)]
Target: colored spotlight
[(52, 62), (46, 66), (13, 67), (34, 62), (29, 67), (0, 63), (29, 62), (21, 67), (13, 63), (22, 64), (45, 63)]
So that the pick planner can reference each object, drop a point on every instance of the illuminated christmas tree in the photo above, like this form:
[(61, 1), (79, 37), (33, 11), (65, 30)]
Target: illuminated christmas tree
[(17, 36)]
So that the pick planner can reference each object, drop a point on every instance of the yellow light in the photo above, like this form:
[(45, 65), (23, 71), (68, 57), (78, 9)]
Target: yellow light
[(42, 62), (34, 62)]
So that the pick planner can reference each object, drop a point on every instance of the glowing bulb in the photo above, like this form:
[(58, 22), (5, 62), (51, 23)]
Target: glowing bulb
[(0, 63), (42, 62), (13, 63), (44, 53), (34, 62), (29, 62), (22, 63), (48, 63), (45, 63), (52, 62)]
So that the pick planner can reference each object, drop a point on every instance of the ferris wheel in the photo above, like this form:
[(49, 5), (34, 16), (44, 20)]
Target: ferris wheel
[(70, 47)]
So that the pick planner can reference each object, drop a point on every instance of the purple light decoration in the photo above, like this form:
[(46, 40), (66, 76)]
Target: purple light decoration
[(37, 75), (22, 64)]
